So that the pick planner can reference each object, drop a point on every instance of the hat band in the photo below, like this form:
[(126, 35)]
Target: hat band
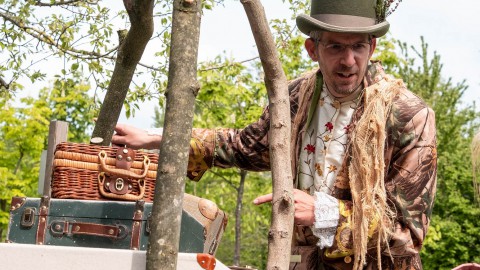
[(344, 20)]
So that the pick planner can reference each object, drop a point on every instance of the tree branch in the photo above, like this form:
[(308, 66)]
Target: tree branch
[(129, 54), (238, 217), (281, 229), (64, 3), (42, 36), (4, 84), (225, 179)]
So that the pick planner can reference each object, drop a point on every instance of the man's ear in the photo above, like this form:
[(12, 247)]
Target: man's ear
[(372, 47), (311, 49)]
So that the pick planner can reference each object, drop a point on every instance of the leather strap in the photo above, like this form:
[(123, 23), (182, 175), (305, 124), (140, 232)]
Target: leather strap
[(95, 229), (42, 220), (65, 227), (17, 202), (137, 225), (125, 158), (217, 227)]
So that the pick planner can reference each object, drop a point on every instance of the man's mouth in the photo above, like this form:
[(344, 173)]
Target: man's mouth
[(345, 75)]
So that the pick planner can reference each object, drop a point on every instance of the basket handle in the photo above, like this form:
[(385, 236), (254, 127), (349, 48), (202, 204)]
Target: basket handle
[(102, 155), (125, 197)]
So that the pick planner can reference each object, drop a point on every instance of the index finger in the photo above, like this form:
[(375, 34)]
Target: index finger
[(119, 129), (119, 140), (263, 199)]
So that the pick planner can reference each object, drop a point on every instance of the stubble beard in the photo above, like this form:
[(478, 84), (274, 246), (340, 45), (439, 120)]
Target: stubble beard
[(345, 90)]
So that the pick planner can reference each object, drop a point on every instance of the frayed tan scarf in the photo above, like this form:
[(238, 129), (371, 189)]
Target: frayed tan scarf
[(367, 171)]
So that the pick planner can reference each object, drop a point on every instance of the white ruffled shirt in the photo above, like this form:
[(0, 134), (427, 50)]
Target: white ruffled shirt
[(323, 149)]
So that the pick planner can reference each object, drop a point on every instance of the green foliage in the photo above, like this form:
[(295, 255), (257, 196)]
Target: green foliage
[(158, 117), (24, 131), (22, 140), (295, 60), (298, 7), (455, 227), (32, 33), (230, 96), (80, 34), (70, 101), (385, 53)]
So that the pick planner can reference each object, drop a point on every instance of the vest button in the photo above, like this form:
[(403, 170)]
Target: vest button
[(347, 259)]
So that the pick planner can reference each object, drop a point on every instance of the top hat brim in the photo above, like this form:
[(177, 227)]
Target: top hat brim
[(306, 24)]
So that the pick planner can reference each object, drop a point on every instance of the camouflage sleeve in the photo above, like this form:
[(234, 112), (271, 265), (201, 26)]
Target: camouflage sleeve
[(411, 184), (223, 147), (245, 148)]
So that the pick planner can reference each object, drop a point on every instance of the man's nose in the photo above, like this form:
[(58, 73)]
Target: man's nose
[(348, 57)]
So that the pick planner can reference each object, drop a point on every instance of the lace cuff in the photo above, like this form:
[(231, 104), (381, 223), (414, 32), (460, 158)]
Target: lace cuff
[(326, 219)]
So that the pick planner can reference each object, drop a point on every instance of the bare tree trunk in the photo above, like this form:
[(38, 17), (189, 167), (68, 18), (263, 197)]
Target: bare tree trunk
[(238, 217), (129, 54), (281, 229), (182, 89)]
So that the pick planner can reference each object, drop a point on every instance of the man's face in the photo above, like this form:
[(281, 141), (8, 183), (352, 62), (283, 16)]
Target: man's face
[(343, 59)]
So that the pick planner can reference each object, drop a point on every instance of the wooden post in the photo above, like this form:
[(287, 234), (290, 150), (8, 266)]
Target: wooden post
[(57, 133)]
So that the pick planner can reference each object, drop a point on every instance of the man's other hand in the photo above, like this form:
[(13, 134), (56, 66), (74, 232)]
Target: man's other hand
[(304, 206)]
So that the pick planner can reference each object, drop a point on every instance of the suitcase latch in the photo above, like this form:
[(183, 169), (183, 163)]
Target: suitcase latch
[(118, 185), (28, 217)]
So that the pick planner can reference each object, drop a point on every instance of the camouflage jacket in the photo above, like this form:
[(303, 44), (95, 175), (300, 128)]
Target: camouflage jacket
[(410, 171)]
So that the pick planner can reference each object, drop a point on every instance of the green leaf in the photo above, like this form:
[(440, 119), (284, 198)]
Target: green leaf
[(75, 66)]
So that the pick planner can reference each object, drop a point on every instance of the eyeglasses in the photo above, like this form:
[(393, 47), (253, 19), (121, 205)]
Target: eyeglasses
[(359, 48)]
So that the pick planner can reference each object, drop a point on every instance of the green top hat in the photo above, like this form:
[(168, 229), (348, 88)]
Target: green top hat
[(345, 16)]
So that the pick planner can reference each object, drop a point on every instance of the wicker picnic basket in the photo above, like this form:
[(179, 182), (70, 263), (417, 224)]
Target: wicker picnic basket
[(92, 172)]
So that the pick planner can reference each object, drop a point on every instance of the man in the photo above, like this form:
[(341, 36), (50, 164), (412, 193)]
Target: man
[(363, 148)]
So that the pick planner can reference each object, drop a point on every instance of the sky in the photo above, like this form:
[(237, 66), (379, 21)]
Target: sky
[(450, 28)]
